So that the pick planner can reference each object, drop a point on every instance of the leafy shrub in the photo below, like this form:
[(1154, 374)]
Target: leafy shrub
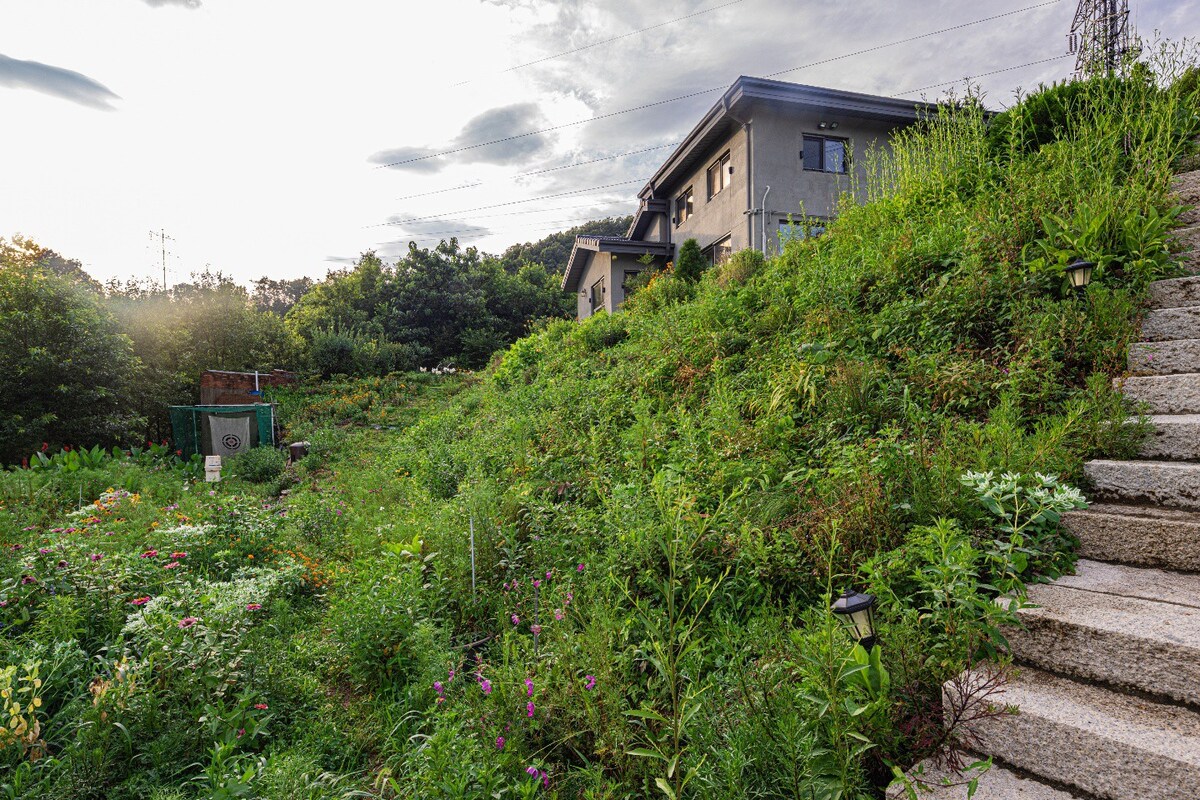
[(689, 264), (259, 464)]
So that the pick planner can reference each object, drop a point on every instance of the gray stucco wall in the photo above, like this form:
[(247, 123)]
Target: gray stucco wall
[(778, 137), (771, 156), (599, 266), (723, 215)]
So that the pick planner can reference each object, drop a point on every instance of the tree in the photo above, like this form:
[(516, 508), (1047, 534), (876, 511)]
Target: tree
[(554, 251), (208, 323), (278, 296), (690, 263), (68, 371)]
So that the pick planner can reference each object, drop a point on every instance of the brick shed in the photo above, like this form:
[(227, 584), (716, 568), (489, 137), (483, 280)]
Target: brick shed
[(221, 388)]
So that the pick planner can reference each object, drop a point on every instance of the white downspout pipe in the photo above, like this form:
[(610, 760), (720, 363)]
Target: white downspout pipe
[(764, 221)]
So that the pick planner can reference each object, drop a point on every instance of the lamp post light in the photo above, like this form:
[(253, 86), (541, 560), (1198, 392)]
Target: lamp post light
[(1080, 273), (857, 612)]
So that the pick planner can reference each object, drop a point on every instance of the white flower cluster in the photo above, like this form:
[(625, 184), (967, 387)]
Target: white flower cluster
[(447, 370)]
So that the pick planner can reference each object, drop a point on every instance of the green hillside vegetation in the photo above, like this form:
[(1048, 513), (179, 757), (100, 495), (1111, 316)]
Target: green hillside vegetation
[(662, 504)]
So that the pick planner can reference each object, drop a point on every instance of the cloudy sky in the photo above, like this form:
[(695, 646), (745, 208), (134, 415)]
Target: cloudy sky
[(283, 138)]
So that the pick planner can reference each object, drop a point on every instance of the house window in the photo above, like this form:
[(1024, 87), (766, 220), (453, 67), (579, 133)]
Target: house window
[(720, 251), (825, 154), (684, 206), (597, 295), (800, 229), (720, 175)]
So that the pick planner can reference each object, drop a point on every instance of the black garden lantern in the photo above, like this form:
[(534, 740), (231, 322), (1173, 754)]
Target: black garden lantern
[(857, 612), (1080, 273)]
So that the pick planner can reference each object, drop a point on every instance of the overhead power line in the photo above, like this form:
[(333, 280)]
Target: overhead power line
[(611, 39), (598, 204), (1059, 57), (710, 90), (509, 203), (541, 171), (541, 225)]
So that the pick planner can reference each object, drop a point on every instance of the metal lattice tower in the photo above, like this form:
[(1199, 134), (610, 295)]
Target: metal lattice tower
[(1100, 37)]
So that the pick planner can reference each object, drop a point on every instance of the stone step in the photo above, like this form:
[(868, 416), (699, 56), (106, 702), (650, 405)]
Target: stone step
[(1175, 292), (1112, 746), (1173, 437), (1189, 262), (1165, 394), (1130, 627), (1167, 324), (1140, 535), (1163, 483), (934, 782), (1186, 188), (1165, 358), (1185, 238)]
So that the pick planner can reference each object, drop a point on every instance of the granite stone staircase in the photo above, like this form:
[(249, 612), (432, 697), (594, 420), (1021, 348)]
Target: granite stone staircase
[(1107, 667)]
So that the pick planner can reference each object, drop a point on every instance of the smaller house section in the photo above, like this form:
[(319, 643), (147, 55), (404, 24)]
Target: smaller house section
[(601, 265), (219, 387)]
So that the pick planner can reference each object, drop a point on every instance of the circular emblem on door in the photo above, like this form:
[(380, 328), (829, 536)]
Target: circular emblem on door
[(231, 441)]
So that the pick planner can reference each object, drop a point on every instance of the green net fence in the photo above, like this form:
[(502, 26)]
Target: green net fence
[(194, 431)]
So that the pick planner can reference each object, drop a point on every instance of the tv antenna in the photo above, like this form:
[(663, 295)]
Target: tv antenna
[(1100, 38)]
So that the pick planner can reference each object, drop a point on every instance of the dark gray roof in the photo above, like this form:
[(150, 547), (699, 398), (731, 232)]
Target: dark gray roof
[(606, 244), (729, 111)]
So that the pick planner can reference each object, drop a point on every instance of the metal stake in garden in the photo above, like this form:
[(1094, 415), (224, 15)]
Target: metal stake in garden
[(1100, 38)]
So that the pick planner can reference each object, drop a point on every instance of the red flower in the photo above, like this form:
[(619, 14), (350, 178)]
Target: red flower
[(140, 601), (261, 706), (45, 446), (177, 556), (188, 622), (254, 606), (149, 554)]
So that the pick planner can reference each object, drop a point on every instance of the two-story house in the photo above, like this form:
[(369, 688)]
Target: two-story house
[(766, 153)]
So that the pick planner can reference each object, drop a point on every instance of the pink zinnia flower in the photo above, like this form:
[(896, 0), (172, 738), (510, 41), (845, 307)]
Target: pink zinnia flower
[(558, 614), (149, 554), (188, 622), (261, 706), (28, 579), (140, 601), (43, 550), (176, 556), (172, 565), (254, 606), (536, 629)]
